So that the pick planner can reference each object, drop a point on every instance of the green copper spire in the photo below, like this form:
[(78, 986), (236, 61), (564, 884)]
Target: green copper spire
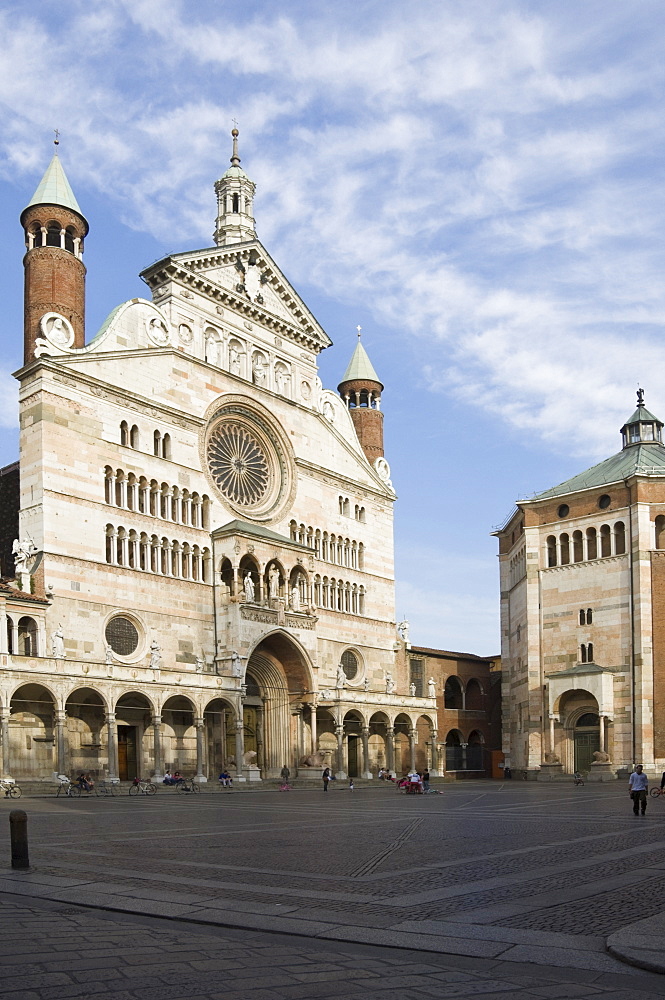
[(360, 367), (55, 189)]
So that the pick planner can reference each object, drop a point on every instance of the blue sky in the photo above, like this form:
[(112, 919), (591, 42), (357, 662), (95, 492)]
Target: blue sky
[(479, 185)]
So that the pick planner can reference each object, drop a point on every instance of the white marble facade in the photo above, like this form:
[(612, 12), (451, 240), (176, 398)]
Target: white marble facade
[(188, 445)]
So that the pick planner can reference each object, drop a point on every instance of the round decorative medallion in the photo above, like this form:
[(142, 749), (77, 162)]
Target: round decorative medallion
[(238, 464), (247, 459), (57, 330)]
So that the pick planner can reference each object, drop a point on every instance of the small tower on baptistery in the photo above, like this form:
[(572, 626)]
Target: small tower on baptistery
[(55, 229), (235, 196), (642, 427), (361, 391)]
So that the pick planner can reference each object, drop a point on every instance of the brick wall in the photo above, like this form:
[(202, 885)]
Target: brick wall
[(9, 505)]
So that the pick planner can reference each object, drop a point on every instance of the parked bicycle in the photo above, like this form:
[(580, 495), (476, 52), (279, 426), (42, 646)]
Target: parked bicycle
[(10, 788), (142, 787), (656, 791), (107, 787), (188, 785)]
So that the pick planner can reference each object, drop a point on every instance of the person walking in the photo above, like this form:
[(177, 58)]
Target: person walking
[(350, 784), (638, 785), (326, 779), (426, 780)]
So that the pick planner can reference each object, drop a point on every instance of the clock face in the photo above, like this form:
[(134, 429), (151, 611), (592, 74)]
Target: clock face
[(247, 461)]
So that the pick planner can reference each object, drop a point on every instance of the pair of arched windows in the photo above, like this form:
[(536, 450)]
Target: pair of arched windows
[(586, 616), (586, 652), (129, 436), (161, 445)]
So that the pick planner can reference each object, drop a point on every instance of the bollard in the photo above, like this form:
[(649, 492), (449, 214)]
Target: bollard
[(18, 826)]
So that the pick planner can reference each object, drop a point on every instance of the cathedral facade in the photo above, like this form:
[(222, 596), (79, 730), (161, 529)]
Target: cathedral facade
[(200, 572), (583, 616)]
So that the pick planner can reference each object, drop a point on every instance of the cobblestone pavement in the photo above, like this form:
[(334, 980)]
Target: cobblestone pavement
[(53, 952), (513, 871)]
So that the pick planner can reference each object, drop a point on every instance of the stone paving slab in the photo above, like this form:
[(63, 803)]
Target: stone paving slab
[(641, 943)]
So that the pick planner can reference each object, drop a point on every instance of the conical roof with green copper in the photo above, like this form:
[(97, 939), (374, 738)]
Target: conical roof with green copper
[(360, 368), (55, 189)]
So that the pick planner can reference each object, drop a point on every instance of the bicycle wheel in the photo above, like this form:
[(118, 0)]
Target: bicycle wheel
[(150, 789), (180, 787), (134, 789), (15, 792), (74, 792), (196, 787), (655, 792)]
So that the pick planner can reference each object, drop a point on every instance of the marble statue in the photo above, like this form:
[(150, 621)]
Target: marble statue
[(412, 689), (234, 360), (431, 688), (600, 757), (295, 598), (236, 664), (23, 551), (366, 684), (258, 370), (273, 583), (316, 759), (58, 643), (552, 758), (390, 684), (200, 664), (155, 655), (108, 653), (403, 630), (341, 677), (249, 588)]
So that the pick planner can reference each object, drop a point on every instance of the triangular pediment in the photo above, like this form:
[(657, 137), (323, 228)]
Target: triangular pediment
[(245, 275)]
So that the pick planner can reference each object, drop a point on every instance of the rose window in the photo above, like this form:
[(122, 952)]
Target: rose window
[(238, 464)]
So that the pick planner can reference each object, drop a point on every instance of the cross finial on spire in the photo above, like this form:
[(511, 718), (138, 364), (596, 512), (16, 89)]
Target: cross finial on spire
[(56, 141), (640, 397), (359, 329)]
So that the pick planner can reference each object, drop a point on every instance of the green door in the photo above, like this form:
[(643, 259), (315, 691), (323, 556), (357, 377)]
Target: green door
[(587, 741)]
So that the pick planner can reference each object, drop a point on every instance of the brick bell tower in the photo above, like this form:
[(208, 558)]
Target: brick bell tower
[(54, 229), (361, 391)]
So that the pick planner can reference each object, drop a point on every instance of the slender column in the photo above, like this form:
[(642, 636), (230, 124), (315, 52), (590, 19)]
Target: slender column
[(62, 239), (364, 736), (603, 740), (60, 718), (412, 748), (240, 743), (339, 733), (390, 749), (4, 728), (77, 246), (15, 649), (434, 769), (200, 733), (315, 738), (157, 743), (4, 643), (552, 720), (112, 751)]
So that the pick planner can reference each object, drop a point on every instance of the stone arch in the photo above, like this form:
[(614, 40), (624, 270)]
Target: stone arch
[(86, 709), (275, 721), (249, 564), (28, 636), (33, 751), (402, 725), (267, 575), (134, 712), (219, 717), (179, 733), (379, 757)]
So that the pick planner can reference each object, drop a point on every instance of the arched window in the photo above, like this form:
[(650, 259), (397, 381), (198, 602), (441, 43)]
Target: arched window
[(124, 433), (119, 488), (341, 505), (591, 543), (27, 636), (551, 550), (347, 508), (474, 701), (108, 484), (619, 538), (589, 651), (565, 549), (452, 694), (605, 541), (166, 446), (134, 436), (236, 203), (583, 653), (578, 554), (582, 616), (157, 443), (53, 234), (37, 236), (69, 239)]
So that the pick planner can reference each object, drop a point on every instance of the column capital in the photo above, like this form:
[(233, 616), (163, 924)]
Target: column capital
[(199, 722), (156, 719)]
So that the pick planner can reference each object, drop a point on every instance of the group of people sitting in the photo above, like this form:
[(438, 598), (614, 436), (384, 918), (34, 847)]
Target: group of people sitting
[(172, 779), (85, 782), (225, 779)]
